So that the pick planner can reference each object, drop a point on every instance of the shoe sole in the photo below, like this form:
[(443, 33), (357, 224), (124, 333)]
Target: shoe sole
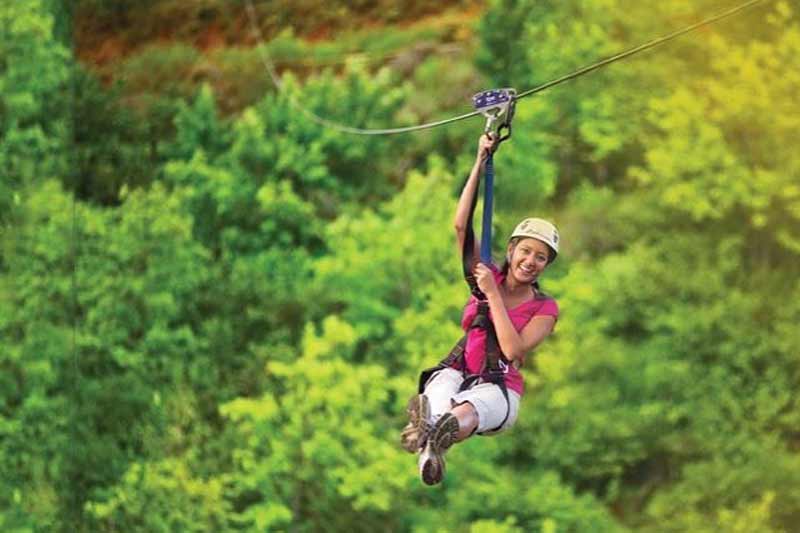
[(419, 412), (433, 470), (442, 436)]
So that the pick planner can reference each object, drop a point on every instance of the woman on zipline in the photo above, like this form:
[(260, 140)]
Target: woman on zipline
[(458, 397)]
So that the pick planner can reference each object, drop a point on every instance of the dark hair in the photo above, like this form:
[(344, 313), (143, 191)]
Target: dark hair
[(506, 265)]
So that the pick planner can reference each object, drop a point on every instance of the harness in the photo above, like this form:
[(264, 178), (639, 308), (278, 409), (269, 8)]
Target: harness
[(496, 105)]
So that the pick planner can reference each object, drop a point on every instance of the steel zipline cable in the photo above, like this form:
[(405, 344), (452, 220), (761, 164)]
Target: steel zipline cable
[(344, 128)]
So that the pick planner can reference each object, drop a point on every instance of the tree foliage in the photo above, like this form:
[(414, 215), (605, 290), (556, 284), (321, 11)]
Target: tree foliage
[(211, 318), (34, 99)]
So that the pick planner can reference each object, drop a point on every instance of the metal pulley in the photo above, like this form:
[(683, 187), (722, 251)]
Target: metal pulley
[(497, 105)]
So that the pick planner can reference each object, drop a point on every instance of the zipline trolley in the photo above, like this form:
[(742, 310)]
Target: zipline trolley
[(498, 106)]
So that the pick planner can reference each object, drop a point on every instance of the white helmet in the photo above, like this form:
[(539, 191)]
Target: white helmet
[(539, 229)]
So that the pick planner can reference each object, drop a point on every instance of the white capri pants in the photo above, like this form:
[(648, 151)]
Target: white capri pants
[(487, 399)]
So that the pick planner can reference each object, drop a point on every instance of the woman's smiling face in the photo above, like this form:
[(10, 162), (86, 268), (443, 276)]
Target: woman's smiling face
[(529, 258)]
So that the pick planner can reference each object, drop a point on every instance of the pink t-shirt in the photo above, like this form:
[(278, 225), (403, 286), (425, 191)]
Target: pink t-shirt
[(475, 351)]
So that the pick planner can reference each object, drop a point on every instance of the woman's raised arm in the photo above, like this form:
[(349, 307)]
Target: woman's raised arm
[(486, 145)]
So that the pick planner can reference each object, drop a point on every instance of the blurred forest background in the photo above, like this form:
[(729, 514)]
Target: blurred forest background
[(212, 310)]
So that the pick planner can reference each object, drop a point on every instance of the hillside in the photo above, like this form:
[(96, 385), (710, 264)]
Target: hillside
[(213, 310)]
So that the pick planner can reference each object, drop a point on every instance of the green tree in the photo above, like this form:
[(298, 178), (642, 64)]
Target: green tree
[(109, 147), (314, 452), (97, 319), (34, 99), (198, 127)]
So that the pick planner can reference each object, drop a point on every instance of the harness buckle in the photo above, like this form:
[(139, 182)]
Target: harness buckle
[(503, 366), (501, 370)]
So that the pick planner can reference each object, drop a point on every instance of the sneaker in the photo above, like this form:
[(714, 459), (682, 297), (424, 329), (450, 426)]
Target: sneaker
[(415, 435), (431, 459)]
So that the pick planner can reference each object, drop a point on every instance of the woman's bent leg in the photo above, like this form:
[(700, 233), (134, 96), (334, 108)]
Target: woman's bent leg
[(441, 389), (494, 412)]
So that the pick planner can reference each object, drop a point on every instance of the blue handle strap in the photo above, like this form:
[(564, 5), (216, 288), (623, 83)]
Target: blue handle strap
[(488, 199)]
